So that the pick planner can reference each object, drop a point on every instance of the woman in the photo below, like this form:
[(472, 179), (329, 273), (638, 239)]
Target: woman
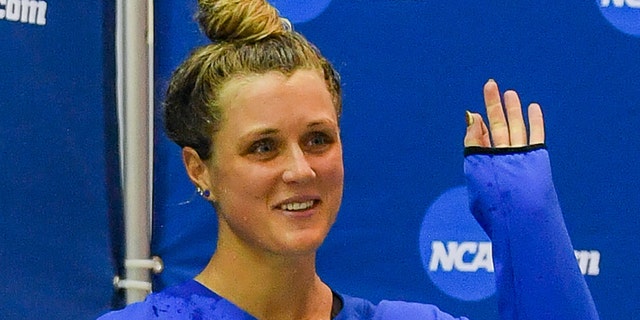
[(257, 116)]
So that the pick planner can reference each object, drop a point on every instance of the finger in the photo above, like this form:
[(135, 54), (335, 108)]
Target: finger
[(477, 133), (497, 121), (536, 124), (486, 139), (517, 129)]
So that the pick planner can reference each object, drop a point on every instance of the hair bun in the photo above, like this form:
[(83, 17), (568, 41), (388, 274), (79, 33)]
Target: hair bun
[(238, 20)]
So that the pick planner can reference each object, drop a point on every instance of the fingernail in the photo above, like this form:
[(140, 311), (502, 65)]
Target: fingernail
[(468, 117), (491, 80)]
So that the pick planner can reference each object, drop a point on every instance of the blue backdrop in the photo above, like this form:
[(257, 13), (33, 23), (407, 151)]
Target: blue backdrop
[(409, 69), (58, 168)]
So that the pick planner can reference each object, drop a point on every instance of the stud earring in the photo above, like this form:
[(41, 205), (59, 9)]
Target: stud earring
[(205, 193)]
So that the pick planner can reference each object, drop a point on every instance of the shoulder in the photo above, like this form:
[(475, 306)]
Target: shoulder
[(361, 309), (186, 301), (139, 310), (411, 310)]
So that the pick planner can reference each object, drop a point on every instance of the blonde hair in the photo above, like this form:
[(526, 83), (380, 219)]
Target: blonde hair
[(248, 37)]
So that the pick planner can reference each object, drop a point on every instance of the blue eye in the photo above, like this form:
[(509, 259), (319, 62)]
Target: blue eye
[(262, 146), (318, 142), (319, 139)]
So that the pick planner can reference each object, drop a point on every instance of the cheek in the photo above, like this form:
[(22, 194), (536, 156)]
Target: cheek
[(331, 169), (333, 184), (246, 184)]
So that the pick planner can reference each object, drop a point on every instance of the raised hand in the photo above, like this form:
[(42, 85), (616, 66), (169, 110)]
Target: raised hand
[(505, 129)]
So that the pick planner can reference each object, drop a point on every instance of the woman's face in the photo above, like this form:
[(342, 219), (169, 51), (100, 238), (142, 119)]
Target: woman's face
[(276, 172)]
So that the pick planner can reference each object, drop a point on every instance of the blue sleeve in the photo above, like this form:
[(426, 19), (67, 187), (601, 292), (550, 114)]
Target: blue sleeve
[(513, 198)]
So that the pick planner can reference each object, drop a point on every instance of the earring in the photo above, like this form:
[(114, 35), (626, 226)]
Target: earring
[(203, 193)]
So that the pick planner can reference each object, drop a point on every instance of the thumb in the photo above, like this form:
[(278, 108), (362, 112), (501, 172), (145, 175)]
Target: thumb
[(477, 134)]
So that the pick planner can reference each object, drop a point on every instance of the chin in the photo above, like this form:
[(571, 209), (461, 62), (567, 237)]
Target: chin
[(302, 243)]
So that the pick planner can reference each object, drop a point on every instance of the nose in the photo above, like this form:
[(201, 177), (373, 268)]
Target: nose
[(298, 169)]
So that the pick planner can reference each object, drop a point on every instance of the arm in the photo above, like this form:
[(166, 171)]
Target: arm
[(512, 197)]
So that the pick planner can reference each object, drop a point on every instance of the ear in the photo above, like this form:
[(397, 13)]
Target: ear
[(197, 169)]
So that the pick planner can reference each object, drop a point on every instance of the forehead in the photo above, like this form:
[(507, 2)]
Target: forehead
[(273, 94)]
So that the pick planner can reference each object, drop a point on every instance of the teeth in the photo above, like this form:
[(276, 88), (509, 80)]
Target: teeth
[(297, 205)]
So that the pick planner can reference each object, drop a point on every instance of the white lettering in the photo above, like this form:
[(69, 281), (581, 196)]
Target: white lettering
[(463, 249), (24, 11), (439, 255), (33, 12), (13, 10), (455, 253), (484, 258), (616, 3), (588, 261), (469, 256), (620, 3)]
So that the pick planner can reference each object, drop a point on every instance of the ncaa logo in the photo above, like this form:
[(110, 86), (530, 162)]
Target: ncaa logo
[(622, 14), (455, 251), (298, 11)]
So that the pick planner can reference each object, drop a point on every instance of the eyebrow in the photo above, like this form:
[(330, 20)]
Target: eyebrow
[(261, 132), (270, 131), (320, 123)]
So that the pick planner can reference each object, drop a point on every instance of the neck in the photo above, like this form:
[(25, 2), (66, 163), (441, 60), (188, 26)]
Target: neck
[(267, 285)]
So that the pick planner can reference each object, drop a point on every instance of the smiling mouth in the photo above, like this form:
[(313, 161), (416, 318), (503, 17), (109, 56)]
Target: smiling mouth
[(297, 206)]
